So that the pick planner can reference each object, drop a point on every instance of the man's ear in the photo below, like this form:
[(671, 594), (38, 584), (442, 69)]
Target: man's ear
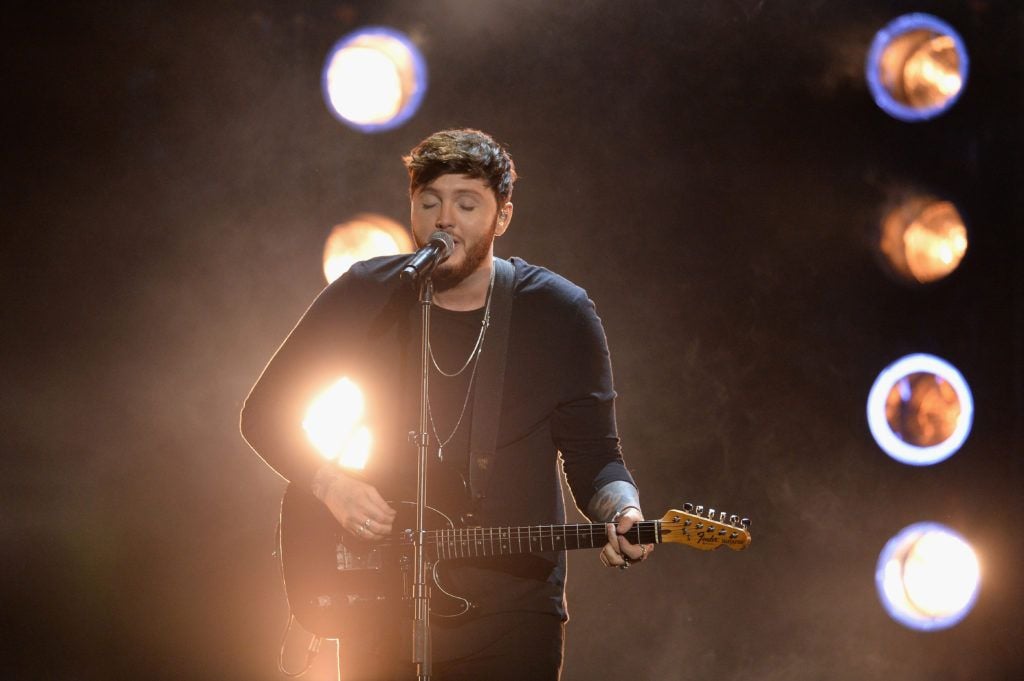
[(504, 217)]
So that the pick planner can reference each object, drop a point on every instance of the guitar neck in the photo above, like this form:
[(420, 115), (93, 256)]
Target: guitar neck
[(476, 542)]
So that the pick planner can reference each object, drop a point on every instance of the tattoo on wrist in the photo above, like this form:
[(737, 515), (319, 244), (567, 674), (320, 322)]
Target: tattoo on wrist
[(613, 499)]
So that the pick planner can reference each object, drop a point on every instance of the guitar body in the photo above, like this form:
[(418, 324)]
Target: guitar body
[(337, 584)]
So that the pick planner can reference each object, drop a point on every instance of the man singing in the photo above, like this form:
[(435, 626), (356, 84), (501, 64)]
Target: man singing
[(549, 360)]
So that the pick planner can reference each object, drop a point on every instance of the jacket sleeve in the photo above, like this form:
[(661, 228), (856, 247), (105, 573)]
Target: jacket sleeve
[(583, 425), (305, 364)]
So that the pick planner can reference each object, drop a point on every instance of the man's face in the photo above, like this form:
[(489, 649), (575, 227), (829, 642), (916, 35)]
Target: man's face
[(465, 208)]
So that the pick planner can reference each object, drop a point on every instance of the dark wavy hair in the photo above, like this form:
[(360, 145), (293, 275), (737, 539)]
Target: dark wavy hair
[(462, 152)]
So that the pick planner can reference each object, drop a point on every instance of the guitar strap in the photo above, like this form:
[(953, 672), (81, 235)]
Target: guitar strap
[(483, 437)]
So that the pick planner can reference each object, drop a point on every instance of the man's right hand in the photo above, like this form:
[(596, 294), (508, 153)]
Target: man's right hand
[(357, 506)]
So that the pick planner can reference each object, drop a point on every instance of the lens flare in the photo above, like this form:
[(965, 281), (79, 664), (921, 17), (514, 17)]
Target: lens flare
[(364, 236), (928, 577), (333, 425), (917, 67), (374, 79), (924, 239), (920, 410)]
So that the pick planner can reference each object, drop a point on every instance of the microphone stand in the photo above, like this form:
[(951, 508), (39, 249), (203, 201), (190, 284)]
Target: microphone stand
[(421, 653)]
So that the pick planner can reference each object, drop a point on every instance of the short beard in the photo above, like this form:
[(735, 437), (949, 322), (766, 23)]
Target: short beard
[(446, 278)]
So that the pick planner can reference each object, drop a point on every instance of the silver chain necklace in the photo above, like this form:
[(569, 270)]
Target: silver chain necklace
[(474, 353), (479, 346)]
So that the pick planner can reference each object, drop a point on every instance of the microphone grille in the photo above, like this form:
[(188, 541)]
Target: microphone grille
[(445, 239)]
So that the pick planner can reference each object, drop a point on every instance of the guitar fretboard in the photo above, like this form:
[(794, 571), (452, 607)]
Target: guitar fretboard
[(476, 542)]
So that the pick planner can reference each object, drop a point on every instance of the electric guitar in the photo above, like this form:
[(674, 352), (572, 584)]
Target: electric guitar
[(336, 583)]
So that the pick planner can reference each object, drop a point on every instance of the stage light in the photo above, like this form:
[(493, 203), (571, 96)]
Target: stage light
[(364, 236), (920, 410), (924, 239), (927, 577), (374, 79), (333, 425), (917, 67)]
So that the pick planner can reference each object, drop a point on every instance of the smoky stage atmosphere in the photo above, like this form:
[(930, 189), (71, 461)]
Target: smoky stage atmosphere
[(799, 222)]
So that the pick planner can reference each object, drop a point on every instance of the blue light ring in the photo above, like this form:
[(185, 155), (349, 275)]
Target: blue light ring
[(419, 66), (895, 28), (890, 443)]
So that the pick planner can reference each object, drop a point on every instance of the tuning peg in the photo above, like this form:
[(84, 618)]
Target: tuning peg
[(745, 522), (688, 507), (733, 519), (721, 516), (700, 510), (711, 513)]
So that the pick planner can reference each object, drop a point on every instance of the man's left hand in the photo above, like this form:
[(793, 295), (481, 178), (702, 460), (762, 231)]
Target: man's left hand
[(618, 552)]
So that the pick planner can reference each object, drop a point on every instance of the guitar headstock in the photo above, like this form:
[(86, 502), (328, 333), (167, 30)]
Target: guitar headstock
[(705, 529)]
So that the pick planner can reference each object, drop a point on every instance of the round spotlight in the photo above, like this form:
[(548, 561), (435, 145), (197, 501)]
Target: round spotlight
[(917, 67), (927, 577), (364, 236), (920, 410), (374, 79), (923, 239)]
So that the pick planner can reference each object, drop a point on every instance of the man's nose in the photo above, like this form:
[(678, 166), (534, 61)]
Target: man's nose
[(446, 216)]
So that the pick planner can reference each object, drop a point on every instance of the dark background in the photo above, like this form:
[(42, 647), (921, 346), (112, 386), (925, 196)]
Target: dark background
[(712, 172)]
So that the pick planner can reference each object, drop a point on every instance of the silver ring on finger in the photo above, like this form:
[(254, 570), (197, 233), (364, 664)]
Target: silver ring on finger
[(366, 523), (643, 551), (360, 529), (624, 565)]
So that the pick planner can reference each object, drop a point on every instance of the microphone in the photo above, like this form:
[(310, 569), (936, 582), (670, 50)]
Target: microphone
[(437, 250)]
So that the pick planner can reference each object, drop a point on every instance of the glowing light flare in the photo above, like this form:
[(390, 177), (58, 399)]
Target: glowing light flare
[(920, 410), (333, 424), (364, 85), (917, 67), (924, 239), (374, 79), (364, 236), (928, 577)]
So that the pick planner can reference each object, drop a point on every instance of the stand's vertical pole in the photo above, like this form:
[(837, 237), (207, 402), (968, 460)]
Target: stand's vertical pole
[(421, 597)]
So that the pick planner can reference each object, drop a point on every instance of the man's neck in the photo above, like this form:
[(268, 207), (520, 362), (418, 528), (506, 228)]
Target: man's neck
[(468, 294)]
